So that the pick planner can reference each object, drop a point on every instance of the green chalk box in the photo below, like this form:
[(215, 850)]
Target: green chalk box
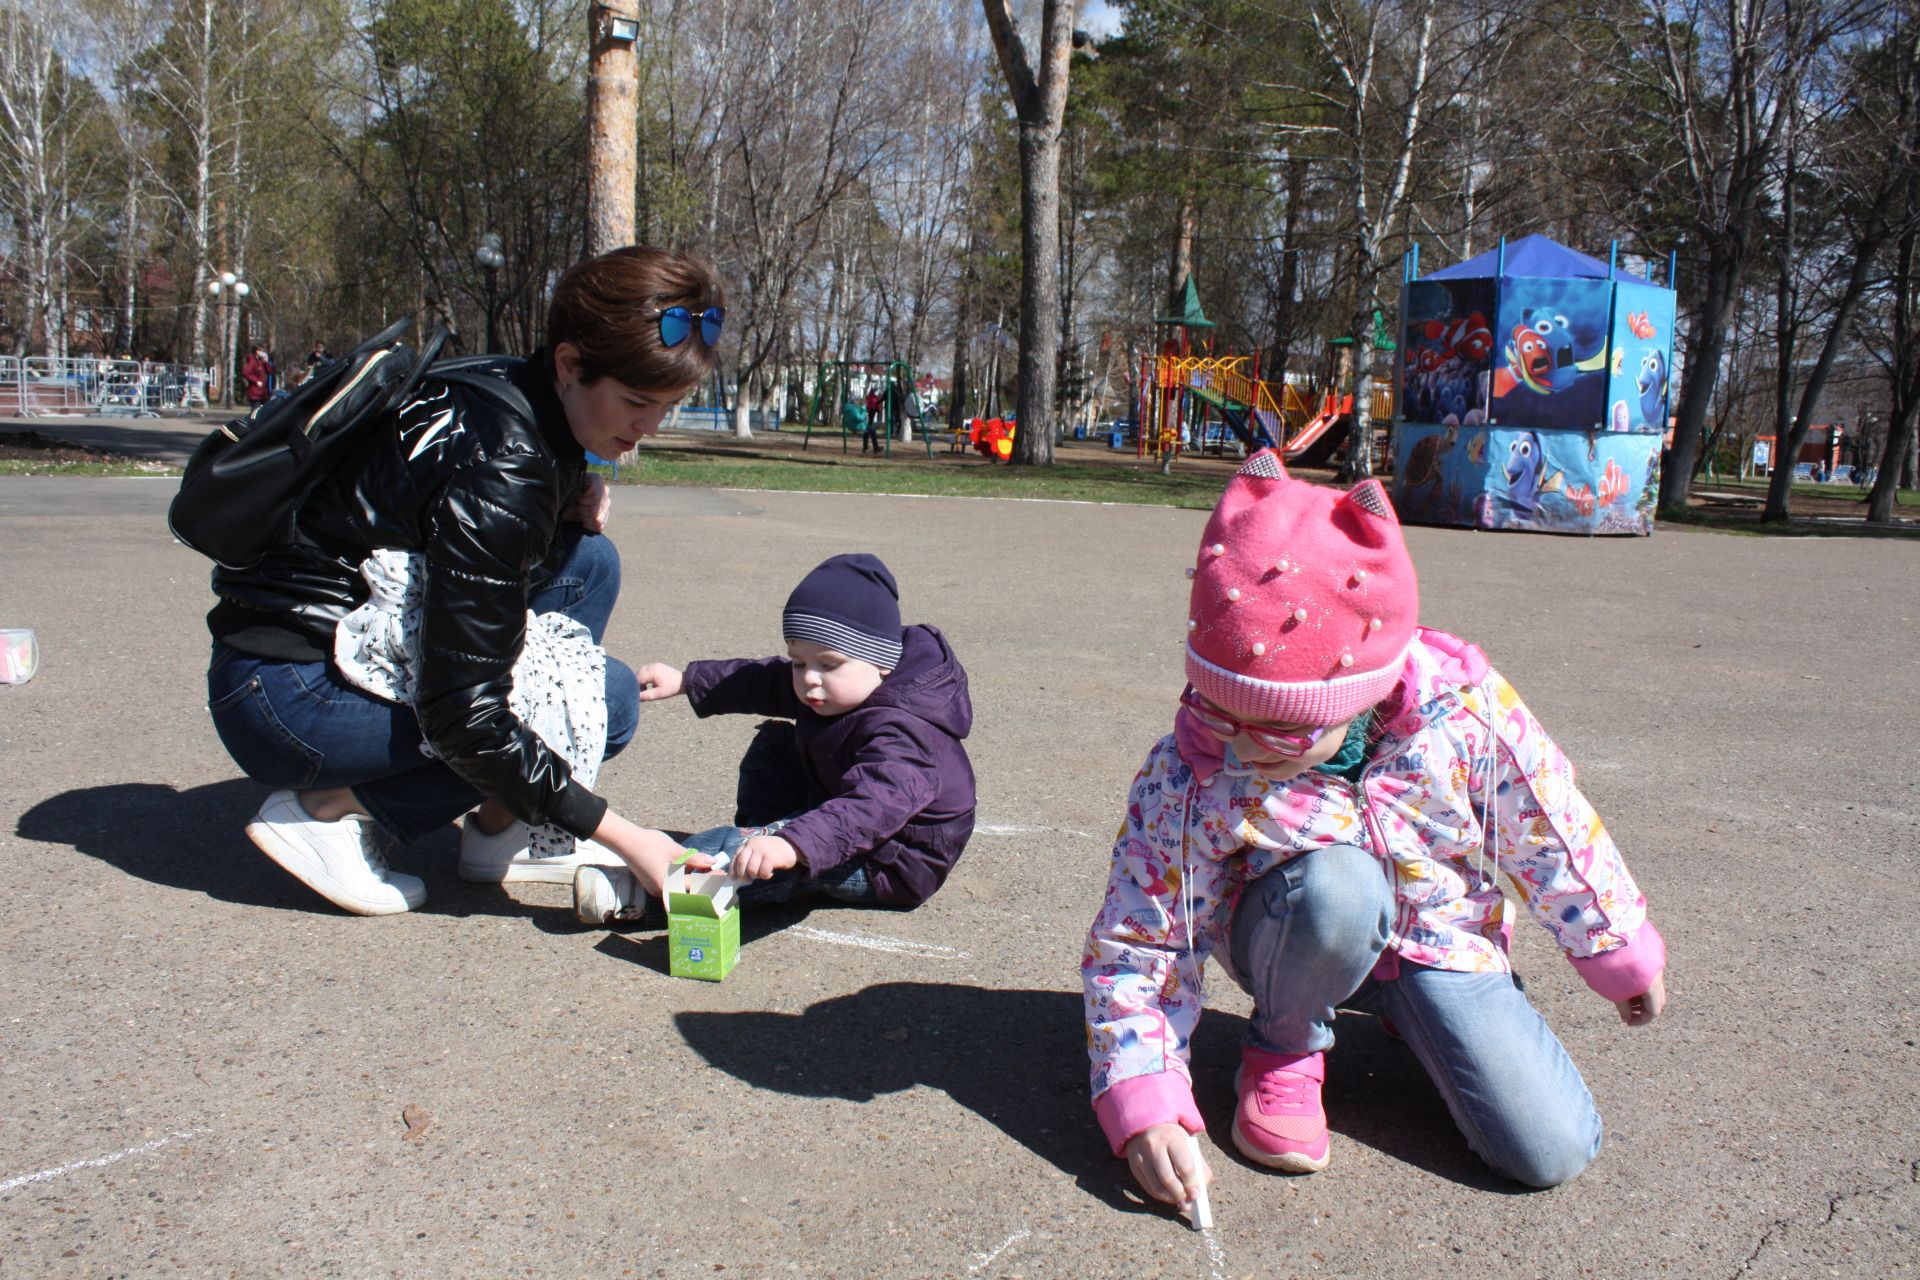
[(703, 926)]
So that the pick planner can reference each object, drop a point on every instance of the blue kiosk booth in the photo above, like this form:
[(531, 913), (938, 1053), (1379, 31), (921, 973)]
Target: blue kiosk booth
[(1533, 384)]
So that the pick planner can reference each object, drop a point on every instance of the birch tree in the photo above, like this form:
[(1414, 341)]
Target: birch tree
[(42, 105)]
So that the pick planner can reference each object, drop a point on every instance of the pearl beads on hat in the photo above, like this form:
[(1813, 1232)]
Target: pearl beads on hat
[(1346, 659), (1233, 593), (1218, 549), (1258, 648), (1299, 615), (1373, 624)]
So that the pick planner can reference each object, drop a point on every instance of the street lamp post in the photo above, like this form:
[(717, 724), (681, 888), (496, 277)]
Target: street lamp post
[(228, 289), (490, 258)]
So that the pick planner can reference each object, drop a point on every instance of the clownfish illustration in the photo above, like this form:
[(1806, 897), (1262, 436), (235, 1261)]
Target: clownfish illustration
[(1540, 356), (1613, 483), (1641, 326), (1477, 447), (1529, 359), (1581, 497), (1467, 337)]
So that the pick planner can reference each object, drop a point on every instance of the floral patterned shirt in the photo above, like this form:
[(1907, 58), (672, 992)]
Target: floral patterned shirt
[(1463, 792)]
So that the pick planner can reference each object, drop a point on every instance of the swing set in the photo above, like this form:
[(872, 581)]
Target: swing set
[(836, 384)]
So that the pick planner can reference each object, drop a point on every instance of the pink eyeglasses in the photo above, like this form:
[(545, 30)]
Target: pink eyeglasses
[(1223, 726)]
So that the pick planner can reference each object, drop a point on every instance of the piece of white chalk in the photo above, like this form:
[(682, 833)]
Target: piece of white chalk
[(1199, 1210)]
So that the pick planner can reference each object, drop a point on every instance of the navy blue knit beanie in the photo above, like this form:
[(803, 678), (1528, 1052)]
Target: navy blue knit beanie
[(849, 604)]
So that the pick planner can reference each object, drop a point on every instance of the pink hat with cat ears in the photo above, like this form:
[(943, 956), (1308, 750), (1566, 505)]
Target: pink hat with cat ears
[(1304, 599)]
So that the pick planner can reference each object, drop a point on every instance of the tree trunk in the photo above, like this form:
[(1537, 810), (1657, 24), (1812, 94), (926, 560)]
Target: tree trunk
[(1703, 370), (613, 98), (1040, 103)]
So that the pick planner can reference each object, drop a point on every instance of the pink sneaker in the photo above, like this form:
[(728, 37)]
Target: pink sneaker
[(1280, 1123)]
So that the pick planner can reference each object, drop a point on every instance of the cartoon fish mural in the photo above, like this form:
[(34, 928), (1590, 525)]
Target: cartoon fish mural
[(1477, 447), (1530, 360), (1526, 466), (1642, 327), (1540, 356), (1558, 335), (1581, 497), (1613, 483), (1653, 389), (1467, 337), (1621, 418)]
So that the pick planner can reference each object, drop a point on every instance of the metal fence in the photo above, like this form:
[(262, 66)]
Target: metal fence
[(47, 386)]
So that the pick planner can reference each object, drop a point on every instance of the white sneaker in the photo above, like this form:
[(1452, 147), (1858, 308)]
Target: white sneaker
[(341, 861), (504, 857), (607, 895)]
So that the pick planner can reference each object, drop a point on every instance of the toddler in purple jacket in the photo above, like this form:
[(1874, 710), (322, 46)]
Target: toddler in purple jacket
[(868, 797)]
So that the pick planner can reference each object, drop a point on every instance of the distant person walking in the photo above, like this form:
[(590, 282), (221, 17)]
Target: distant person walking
[(873, 421), (257, 374)]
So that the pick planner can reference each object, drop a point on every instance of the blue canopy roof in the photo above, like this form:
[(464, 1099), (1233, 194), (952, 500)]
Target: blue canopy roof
[(1531, 256)]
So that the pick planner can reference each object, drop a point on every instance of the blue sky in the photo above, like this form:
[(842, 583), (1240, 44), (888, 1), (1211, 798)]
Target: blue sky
[(1098, 18)]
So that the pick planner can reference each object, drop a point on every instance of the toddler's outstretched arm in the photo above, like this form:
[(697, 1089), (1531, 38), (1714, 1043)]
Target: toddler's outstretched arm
[(657, 681)]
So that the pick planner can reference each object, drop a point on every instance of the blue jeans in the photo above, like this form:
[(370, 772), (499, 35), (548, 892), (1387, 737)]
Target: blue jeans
[(1304, 938), (848, 882), (300, 725)]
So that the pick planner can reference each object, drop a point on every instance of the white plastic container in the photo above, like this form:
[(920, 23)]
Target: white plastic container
[(19, 655)]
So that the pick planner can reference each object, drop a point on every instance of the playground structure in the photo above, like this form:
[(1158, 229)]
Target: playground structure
[(836, 382), (1533, 382), (1205, 399)]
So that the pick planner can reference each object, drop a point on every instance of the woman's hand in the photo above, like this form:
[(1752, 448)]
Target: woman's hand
[(1165, 1164), (658, 680), (762, 857), (594, 505), (649, 854), (1638, 1011)]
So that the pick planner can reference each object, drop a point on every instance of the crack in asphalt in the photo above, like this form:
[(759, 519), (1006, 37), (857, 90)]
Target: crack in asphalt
[(1833, 1208)]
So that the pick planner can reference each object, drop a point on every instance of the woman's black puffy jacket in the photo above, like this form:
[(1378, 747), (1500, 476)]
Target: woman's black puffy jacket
[(480, 488)]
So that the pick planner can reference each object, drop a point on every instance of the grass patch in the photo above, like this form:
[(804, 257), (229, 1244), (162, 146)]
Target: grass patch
[(1080, 482), (1829, 492)]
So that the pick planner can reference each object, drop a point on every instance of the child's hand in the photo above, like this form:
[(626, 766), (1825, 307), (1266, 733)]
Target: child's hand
[(1165, 1164), (1638, 1011), (761, 857), (657, 680)]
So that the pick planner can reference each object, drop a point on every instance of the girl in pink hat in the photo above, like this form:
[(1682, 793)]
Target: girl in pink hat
[(1342, 792)]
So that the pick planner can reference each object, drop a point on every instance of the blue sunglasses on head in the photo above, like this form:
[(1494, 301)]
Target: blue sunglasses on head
[(676, 323)]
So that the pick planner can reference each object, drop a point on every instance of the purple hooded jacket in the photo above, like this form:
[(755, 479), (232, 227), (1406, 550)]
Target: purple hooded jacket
[(898, 782)]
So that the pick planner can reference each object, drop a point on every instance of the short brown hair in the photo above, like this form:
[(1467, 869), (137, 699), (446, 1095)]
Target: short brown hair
[(609, 308)]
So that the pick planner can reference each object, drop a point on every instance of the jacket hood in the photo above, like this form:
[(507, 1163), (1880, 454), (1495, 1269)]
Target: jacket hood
[(928, 683)]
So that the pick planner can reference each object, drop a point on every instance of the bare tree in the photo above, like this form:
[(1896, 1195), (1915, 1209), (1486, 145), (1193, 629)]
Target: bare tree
[(43, 106), (1874, 146), (1039, 104), (827, 113), (1715, 77)]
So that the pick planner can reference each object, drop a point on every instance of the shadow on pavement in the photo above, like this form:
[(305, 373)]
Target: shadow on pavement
[(1033, 1085), (1015, 1058), (1376, 1094), (196, 840)]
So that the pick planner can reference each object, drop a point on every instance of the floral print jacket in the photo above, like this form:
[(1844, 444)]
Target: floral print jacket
[(1196, 832)]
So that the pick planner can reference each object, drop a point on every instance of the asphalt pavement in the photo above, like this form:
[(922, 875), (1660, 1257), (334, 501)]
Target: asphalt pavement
[(204, 1067)]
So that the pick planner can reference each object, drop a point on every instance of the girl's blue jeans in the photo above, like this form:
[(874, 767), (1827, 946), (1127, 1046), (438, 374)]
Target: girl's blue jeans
[(1304, 939), (300, 725)]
